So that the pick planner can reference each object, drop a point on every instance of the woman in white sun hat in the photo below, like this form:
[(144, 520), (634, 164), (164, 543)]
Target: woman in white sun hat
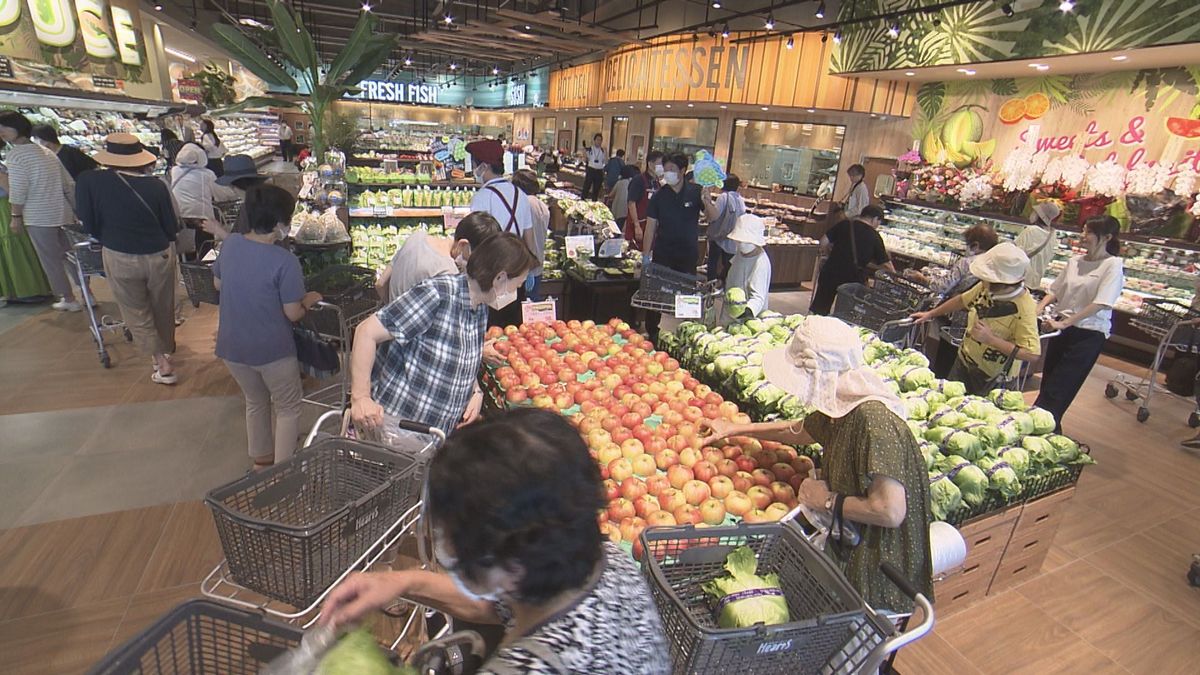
[(871, 467), (750, 270), (1001, 320)]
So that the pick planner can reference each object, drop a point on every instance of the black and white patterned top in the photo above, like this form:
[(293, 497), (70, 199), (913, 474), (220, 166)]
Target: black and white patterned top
[(613, 629)]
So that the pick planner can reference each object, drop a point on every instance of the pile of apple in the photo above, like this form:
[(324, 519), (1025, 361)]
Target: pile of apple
[(642, 416)]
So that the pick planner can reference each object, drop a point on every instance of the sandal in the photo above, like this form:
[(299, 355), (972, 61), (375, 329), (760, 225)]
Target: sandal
[(160, 378), (1192, 443)]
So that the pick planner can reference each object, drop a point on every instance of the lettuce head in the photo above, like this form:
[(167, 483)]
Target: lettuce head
[(914, 378), (1043, 421), (1001, 476), (1017, 457), (963, 444), (952, 388), (970, 479), (944, 496), (765, 603), (1006, 399)]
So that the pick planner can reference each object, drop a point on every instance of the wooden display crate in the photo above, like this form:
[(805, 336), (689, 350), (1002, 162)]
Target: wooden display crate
[(986, 539), (1030, 541)]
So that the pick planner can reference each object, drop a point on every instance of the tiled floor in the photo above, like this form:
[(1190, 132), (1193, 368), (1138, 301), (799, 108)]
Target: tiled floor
[(101, 473)]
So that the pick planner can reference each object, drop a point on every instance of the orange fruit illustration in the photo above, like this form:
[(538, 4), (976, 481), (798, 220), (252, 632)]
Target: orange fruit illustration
[(1012, 111), (1036, 105)]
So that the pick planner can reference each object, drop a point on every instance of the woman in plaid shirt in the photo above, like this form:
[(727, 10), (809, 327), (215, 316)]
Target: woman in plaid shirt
[(432, 338)]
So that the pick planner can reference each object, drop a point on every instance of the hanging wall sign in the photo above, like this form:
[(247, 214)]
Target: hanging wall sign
[(397, 92), (99, 37)]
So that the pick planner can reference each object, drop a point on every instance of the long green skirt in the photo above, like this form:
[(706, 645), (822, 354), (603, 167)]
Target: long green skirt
[(21, 274)]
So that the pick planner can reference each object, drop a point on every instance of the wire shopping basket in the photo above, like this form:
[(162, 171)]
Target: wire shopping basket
[(201, 637), (200, 284), (288, 532), (832, 630)]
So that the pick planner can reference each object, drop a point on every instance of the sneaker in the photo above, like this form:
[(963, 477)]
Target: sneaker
[(64, 306), (159, 378)]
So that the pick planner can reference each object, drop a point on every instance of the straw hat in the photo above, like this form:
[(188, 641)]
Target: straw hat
[(124, 151), (1004, 263), (749, 229), (1045, 212), (823, 367)]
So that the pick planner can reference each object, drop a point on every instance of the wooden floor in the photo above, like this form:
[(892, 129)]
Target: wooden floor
[(1111, 598)]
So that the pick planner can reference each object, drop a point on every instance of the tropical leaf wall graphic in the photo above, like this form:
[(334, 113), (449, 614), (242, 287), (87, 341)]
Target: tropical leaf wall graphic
[(980, 32)]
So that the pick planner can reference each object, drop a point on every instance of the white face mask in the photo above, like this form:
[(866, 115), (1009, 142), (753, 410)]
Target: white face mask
[(501, 300), (449, 563), (746, 249), (658, 170), (671, 177), (478, 173)]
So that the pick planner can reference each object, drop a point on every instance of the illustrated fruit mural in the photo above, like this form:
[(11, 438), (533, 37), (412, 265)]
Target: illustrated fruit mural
[(1012, 111), (1031, 107), (1036, 105), (958, 140), (1181, 126)]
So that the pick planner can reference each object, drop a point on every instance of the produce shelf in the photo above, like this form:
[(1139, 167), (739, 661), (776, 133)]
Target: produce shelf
[(367, 212)]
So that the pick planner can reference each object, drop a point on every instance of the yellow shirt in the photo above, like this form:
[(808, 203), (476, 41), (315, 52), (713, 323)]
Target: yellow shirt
[(1019, 328)]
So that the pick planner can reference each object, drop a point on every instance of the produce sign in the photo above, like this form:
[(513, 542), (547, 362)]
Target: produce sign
[(981, 453), (639, 413)]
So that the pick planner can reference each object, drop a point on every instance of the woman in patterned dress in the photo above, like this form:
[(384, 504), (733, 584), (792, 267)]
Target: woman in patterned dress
[(513, 502), (871, 465)]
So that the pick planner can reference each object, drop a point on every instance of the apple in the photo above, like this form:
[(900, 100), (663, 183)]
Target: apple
[(644, 465), (712, 511), (666, 459), (761, 496), (741, 418), (727, 467), (795, 482), (660, 518), (670, 499), (620, 469), (687, 514), (704, 470), (712, 455), (803, 465), (612, 489), (631, 419), (643, 433), (742, 481), (777, 510), (711, 411), (745, 463), (728, 409), (620, 508), (656, 484), (545, 402), (731, 451), (655, 445), (563, 401), (611, 531), (721, 486), (620, 435), (631, 448), (689, 456), (763, 477), (757, 516), (631, 528), (738, 503), (782, 492), (678, 475), (645, 505), (632, 488), (695, 491), (607, 453), (782, 471), (516, 395)]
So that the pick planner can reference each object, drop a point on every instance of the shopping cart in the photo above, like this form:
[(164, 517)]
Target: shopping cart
[(349, 296), (957, 330), (228, 213), (883, 307), (1173, 325), (660, 289), (87, 260), (832, 630)]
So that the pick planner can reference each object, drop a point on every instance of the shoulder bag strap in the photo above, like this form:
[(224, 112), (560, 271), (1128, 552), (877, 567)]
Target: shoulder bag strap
[(512, 209), (854, 250), (1050, 235), (153, 213)]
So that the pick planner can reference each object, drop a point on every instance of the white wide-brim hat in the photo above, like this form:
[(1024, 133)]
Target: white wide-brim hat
[(1045, 212), (823, 367), (749, 229), (1004, 263)]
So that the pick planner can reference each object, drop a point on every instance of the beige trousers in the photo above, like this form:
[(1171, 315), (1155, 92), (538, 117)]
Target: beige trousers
[(144, 287), (276, 383)]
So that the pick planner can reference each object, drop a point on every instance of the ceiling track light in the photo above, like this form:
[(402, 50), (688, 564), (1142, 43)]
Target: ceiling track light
[(1066, 6), (837, 37), (791, 42), (894, 29), (448, 19), (158, 7), (820, 14), (716, 5), (770, 24), (1007, 9), (725, 30)]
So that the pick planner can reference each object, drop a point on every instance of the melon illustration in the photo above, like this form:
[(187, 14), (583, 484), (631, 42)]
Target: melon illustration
[(97, 37), (53, 22), (1183, 127), (964, 126), (127, 38), (10, 11)]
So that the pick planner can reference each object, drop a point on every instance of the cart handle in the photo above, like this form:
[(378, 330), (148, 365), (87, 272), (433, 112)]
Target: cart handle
[(897, 577), (895, 642), (316, 428)]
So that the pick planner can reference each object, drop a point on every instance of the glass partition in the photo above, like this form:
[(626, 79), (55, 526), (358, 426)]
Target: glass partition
[(683, 134), (801, 156), (543, 132), (585, 129), (618, 135)]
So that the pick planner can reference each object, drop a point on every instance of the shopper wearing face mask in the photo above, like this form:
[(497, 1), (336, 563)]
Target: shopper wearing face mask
[(434, 337), (722, 213), (673, 226), (262, 295), (637, 202), (513, 504), (423, 256), (750, 269), (507, 204)]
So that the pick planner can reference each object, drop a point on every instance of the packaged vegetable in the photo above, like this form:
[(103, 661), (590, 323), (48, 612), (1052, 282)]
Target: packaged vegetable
[(1043, 421), (743, 598), (1006, 399), (1017, 457), (944, 496), (1001, 476), (970, 479), (357, 653)]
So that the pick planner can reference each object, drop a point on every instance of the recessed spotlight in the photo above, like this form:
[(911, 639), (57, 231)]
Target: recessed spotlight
[(812, 110), (837, 37), (725, 30), (765, 108), (691, 105), (158, 7), (366, 6), (631, 107), (1066, 6), (528, 27), (968, 72), (770, 24), (909, 73), (716, 5), (791, 42), (820, 10), (1043, 67), (724, 107), (1120, 57), (453, 66), (495, 71), (648, 105), (407, 61), (668, 105), (448, 19)]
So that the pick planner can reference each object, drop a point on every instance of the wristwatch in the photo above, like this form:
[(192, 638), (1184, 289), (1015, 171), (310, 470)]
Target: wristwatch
[(830, 501)]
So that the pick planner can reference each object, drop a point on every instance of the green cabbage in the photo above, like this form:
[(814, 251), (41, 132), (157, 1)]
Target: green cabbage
[(738, 328), (944, 496), (918, 407), (964, 444), (793, 321), (1043, 421), (766, 394), (727, 363), (873, 353), (952, 389), (948, 417), (1067, 451), (1023, 420), (771, 314), (913, 378), (780, 333), (991, 436), (1001, 476), (357, 653), (735, 310), (1006, 399), (938, 434), (1017, 457), (975, 407), (709, 369), (1010, 431), (792, 408), (1040, 449), (970, 479), (768, 608), (917, 429), (746, 376), (931, 454), (756, 326), (735, 296), (912, 357)]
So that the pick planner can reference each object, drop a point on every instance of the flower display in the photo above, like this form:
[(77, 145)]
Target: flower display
[(1022, 169), (1185, 181), (1148, 179), (1107, 179), (976, 191), (910, 157), (1068, 170)]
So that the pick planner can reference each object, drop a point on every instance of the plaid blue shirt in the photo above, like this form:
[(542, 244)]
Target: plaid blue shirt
[(427, 372)]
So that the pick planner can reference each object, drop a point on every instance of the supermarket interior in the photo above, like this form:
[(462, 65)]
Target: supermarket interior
[(654, 336)]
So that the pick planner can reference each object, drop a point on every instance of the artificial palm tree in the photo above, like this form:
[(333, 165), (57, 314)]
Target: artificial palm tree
[(300, 70)]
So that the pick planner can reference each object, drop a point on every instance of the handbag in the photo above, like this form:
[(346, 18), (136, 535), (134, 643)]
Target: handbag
[(318, 358), (1181, 376)]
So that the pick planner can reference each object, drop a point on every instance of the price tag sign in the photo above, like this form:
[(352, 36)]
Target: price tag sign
[(381, 211), (580, 241), (545, 311), (688, 307)]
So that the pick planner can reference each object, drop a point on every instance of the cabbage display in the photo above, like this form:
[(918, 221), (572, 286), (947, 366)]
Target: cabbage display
[(938, 435), (1042, 420), (931, 454), (947, 417), (1001, 476), (913, 378), (725, 364), (963, 444), (743, 598), (944, 496), (1017, 457), (1006, 399), (970, 479), (765, 394), (917, 407), (990, 436), (1066, 451), (952, 388)]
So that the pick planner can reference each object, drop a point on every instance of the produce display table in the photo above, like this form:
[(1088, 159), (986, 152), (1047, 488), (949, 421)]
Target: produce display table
[(598, 298), (791, 264)]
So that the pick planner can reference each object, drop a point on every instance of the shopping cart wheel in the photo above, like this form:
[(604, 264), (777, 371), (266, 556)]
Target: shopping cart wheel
[(128, 335), (1110, 390), (1131, 395), (105, 361), (1143, 414), (1194, 420)]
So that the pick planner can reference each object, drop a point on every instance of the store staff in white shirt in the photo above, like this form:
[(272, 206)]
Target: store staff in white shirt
[(1083, 297), (751, 268), (285, 140), (597, 159), (507, 204), (859, 196)]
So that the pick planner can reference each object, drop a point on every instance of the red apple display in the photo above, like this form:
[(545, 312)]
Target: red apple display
[(671, 499), (678, 475), (643, 465), (620, 469), (721, 486), (760, 496), (695, 491), (738, 503), (704, 471), (712, 511), (687, 514), (620, 508), (632, 488), (660, 518)]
